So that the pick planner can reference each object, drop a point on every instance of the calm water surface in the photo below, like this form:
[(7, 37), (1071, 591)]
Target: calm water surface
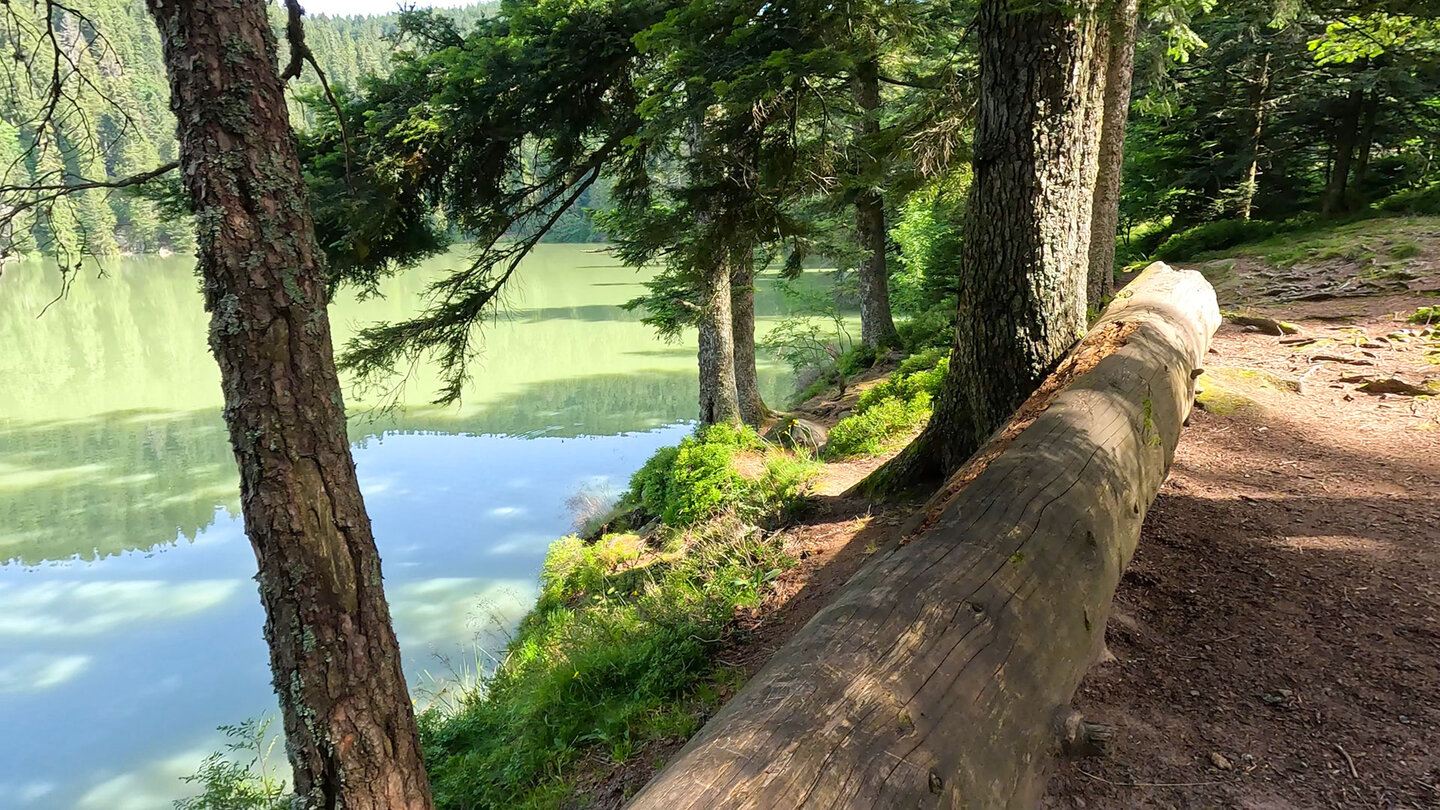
[(129, 622)]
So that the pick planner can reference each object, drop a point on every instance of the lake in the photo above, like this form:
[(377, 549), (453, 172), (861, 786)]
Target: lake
[(129, 619)]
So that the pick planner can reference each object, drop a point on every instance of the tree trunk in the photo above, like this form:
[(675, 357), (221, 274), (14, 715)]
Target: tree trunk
[(941, 675), (1259, 94), (1025, 256), (349, 724), (877, 325), (719, 401), (1366, 141), (1105, 213), (1348, 129), (742, 320)]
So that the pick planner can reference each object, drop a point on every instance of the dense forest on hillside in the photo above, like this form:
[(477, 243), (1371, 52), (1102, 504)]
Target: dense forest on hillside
[(121, 124)]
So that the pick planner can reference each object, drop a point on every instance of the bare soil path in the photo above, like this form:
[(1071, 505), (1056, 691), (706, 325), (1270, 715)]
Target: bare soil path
[(1276, 639), (1277, 636)]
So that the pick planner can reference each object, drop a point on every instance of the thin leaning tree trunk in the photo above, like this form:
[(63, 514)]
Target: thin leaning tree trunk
[(1105, 213), (742, 320), (1335, 200), (1259, 94), (1025, 257), (877, 323), (348, 719)]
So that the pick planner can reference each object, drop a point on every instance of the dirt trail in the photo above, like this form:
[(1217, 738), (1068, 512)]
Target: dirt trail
[(1277, 636)]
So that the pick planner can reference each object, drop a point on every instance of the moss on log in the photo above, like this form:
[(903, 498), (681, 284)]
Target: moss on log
[(941, 675)]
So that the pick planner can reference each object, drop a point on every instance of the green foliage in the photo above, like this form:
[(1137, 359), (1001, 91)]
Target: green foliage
[(891, 408), (695, 480), (928, 233), (1213, 236), (240, 778), (618, 654), (113, 118), (1252, 122), (922, 377), (870, 432), (1422, 201), (1425, 315)]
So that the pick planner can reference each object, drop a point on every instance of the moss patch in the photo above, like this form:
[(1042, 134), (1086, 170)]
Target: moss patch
[(1229, 390)]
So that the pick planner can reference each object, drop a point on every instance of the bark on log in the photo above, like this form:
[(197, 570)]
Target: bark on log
[(940, 674)]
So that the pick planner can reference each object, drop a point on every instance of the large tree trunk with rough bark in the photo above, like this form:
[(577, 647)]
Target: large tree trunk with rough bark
[(877, 324), (1105, 211), (719, 401), (1025, 258), (941, 676), (349, 724), (742, 320)]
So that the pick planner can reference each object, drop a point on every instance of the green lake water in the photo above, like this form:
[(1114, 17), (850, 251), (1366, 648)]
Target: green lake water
[(129, 622)]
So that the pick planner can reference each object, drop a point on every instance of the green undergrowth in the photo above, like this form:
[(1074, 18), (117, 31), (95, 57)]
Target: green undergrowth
[(620, 651), (1377, 239), (892, 408), (1425, 315), (698, 479)]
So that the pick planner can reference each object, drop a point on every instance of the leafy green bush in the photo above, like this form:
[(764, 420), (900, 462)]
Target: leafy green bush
[(242, 777), (931, 328), (650, 485), (1416, 201), (1211, 236), (868, 433), (702, 482), (607, 662), (892, 407), (1425, 315), (922, 376), (694, 480)]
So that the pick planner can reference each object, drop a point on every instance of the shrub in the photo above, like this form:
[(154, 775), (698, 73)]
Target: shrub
[(702, 482), (649, 486), (694, 480), (600, 671), (1211, 236), (908, 382), (1426, 315), (1415, 201), (891, 407), (868, 433)]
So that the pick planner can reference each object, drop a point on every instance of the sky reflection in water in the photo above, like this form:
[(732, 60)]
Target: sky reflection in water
[(129, 621)]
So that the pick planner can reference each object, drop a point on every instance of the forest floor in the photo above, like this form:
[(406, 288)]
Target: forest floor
[(1276, 638)]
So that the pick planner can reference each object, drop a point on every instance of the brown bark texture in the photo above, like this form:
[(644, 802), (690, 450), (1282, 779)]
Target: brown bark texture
[(1025, 257), (1347, 134), (349, 723), (877, 324), (941, 676), (1119, 60), (719, 400), (742, 320)]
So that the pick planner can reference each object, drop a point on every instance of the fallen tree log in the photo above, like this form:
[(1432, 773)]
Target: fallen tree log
[(942, 673)]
